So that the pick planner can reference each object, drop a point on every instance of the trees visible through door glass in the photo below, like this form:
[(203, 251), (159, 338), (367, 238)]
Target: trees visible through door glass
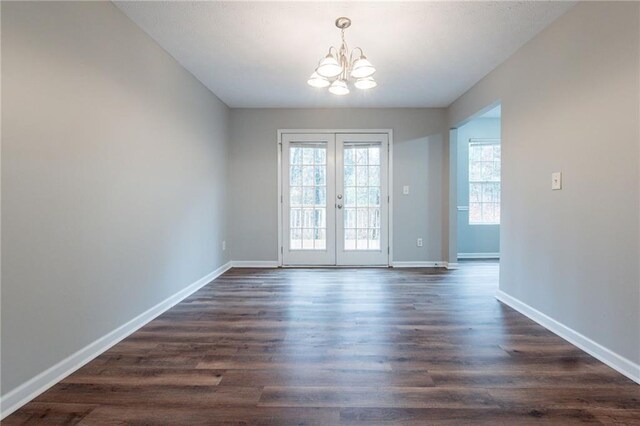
[(307, 196), (361, 196)]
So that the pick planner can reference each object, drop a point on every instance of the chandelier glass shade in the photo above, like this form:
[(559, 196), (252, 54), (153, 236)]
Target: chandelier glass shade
[(365, 83), (339, 87), (329, 67), (340, 66), (318, 81), (362, 68)]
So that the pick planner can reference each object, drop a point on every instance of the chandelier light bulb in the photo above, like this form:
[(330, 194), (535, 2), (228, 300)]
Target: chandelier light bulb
[(339, 87), (362, 68), (365, 83), (318, 81), (329, 67)]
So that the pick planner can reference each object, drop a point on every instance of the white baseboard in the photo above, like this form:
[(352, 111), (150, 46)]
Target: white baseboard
[(254, 264), (478, 255), (419, 264), (612, 359), (274, 264), (43, 381)]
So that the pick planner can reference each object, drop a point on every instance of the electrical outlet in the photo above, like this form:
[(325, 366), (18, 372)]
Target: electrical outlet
[(419, 242), (405, 190), (224, 245), (556, 180)]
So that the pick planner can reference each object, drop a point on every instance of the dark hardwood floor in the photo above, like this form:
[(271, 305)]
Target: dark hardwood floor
[(341, 346)]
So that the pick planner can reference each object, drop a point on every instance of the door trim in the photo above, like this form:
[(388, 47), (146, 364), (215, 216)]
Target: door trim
[(280, 132)]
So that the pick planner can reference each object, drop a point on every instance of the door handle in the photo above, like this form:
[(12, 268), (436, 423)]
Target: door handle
[(339, 206), (339, 196)]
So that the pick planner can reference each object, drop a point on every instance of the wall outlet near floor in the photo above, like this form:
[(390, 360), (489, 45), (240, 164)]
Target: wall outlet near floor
[(556, 180), (419, 242), (224, 245)]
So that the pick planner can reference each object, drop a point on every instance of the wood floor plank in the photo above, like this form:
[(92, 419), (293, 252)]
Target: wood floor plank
[(40, 413), (152, 396), (524, 379), (264, 416), (303, 361), (565, 397), (464, 416), (146, 376), (325, 377), (289, 396), (618, 417), (341, 346), (152, 360)]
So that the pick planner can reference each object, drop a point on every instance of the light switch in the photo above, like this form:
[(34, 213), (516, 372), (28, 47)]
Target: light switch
[(556, 180), (419, 242), (405, 190)]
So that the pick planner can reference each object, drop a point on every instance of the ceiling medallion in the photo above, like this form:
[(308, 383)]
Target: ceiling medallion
[(340, 66)]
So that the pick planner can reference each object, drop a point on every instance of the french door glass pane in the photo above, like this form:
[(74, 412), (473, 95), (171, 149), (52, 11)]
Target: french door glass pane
[(361, 196), (307, 196)]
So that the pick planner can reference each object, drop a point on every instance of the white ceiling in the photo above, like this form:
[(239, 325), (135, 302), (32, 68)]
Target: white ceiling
[(260, 54)]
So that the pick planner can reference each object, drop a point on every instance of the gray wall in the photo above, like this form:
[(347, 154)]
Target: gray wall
[(570, 103), (418, 139), (113, 179), (474, 238)]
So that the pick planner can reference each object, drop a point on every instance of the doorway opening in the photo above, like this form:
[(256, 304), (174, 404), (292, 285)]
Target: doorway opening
[(478, 189), (334, 198)]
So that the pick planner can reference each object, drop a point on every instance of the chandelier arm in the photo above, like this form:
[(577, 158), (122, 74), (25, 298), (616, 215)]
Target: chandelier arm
[(336, 52), (360, 49), (351, 59)]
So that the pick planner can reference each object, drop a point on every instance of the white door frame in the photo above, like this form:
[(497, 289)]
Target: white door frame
[(280, 132)]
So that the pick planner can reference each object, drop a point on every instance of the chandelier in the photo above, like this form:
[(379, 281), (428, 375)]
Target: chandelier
[(340, 66)]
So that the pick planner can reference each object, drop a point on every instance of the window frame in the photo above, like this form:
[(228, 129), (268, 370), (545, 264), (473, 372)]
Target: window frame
[(483, 182)]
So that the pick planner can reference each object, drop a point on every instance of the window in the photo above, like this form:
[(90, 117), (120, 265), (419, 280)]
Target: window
[(308, 196), (484, 182), (362, 191)]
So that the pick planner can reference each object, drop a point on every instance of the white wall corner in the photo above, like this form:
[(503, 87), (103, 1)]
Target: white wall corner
[(452, 265), (607, 356), (24, 393)]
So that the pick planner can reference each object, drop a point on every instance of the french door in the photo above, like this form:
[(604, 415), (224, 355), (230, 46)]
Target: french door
[(335, 199)]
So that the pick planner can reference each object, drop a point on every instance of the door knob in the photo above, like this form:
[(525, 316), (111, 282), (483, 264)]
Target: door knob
[(339, 196), (339, 206)]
